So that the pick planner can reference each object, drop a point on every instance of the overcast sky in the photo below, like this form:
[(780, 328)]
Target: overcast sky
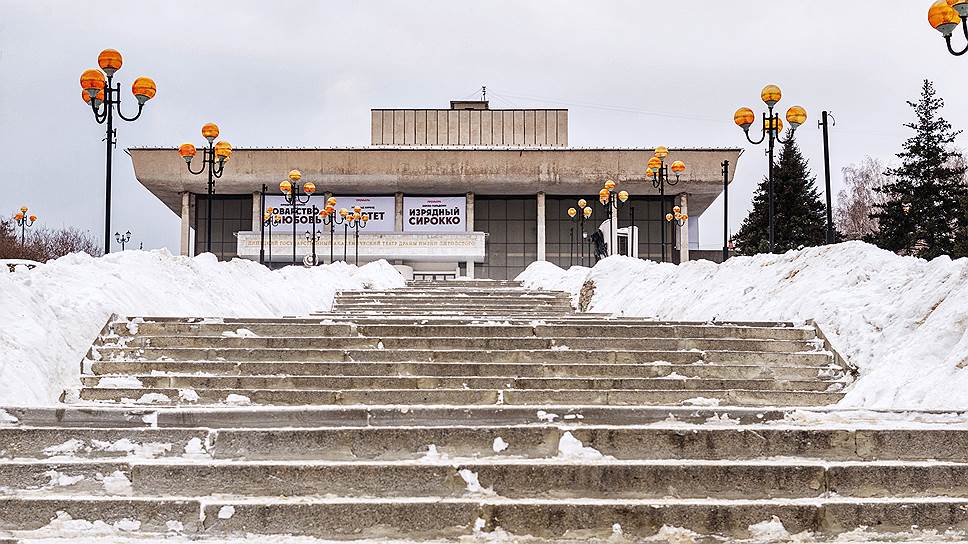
[(306, 73)]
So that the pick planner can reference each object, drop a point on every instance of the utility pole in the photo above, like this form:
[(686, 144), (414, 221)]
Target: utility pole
[(826, 119)]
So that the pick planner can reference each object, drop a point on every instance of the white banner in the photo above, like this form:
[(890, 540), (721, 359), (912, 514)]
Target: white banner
[(379, 208), (434, 214)]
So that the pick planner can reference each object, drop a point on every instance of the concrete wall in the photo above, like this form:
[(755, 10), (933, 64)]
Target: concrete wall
[(438, 127)]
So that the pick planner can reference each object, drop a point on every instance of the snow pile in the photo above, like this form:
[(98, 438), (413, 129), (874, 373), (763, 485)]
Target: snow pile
[(49, 316), (902, 320)]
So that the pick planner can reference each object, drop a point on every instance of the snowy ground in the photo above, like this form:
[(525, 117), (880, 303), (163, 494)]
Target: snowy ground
[(49, 316), (902, 320)]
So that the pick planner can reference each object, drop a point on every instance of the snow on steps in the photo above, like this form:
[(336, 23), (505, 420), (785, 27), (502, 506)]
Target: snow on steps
[(409, 414)]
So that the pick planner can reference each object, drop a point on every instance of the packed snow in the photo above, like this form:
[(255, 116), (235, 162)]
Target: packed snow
[(49, 316), (903, 321)]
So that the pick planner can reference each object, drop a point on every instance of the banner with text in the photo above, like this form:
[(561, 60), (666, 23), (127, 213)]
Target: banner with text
[(434, 214), (379, 208)]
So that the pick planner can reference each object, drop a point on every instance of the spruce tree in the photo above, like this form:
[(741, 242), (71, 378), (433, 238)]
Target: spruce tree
[(799, 214), (925, 206)]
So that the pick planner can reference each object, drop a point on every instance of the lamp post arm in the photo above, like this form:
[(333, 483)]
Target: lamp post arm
[(100, 116), (117, 101), (947, 39), (218, 167), (756, 142), (793, 130), (200, 170)]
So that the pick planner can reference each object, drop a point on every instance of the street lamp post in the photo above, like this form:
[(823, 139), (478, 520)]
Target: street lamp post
[(826, 120), (659, 173), (122, 239), (296, 196), (610, 199), (271, 218), (356, 222), (24, 221), (945, 16), (772, 128), (330, 218), (100, 92), (677, 216), (725, 211), (214, 158), (580, 215)]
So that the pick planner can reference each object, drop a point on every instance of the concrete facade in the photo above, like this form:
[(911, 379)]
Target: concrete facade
[(468, 150)]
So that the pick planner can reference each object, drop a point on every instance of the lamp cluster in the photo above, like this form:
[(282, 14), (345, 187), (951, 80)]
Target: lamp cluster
[(24, 221), (677, 215), (214, 158), (945, 16), (586, 210), (607, 195)]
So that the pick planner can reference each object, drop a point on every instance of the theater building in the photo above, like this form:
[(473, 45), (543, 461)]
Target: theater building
[(467, 190)]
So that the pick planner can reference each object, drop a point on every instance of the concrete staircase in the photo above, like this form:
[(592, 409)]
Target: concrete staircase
[(445, 409)]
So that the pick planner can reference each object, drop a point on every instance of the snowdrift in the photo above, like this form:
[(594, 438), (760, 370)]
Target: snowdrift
[(50, 315), (903, 321)]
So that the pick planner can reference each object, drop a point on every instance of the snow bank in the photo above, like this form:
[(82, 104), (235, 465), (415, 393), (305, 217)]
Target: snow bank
[(902, 320), (49, 316)]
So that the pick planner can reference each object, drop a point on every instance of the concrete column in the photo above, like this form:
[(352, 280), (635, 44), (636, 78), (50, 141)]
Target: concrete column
[(613, 231), (186, 224), (256, 211), (469, 216), (684, 230), (398, 212), (542, 254)]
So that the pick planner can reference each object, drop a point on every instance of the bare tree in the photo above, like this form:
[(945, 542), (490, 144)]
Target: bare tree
[(856, 201), (43, 244)]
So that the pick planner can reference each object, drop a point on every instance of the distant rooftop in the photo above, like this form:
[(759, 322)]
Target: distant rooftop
[(469, 123)]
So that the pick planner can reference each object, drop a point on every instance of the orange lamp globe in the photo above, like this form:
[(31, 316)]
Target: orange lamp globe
[(278, 218), (110, 61), (655, 163), (343, 212), (676, 209), (582, 203), (771, 94), (603, 194), (210, 131), (796, 116), (295, 175), (587, 212), (357, 209), (649, 173), (609, 184), (684, 216), (23, 209), (572, 212), (187, 151), (669, 217), (744, 118), (309, 187), (265, 217), (961, 6), (18, 216), (662, 152), (98, 98), (366, 217), (272, 210), (356, 216), (223, 150), (143, 89), (776, 125), (678, 167), (623, 196), (943, 17), (92, 81), (33, 218), (331, 202), (285, 187)]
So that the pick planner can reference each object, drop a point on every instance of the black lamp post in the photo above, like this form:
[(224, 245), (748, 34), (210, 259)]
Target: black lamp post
[(104, 98), (357, 221), (330, 218), (270, 218), (945, 16), (610, 199), (772, 128), (580, 215), (725, 211), (659, 173), (296, 196), (24, 221), (122, 239), (213, 159), (826, 120)]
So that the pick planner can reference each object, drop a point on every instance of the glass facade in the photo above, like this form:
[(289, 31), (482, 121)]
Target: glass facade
[(562, 232), (230, 214), (512, 241)]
